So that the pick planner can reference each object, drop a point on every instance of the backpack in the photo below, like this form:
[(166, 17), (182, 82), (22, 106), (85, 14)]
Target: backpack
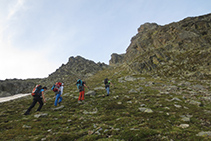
[(79, 83), (106, 81), (36, 90), (56, 87)]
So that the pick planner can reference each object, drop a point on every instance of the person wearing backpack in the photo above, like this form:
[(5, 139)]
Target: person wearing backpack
[(107, 83), (81, 87), (58, 89), (38, 96)]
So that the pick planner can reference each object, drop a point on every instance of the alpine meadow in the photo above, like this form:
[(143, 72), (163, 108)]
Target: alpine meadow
[(161, 91)]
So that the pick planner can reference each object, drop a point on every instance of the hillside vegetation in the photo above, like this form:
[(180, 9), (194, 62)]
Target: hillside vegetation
[(140, 107), (161, 91)]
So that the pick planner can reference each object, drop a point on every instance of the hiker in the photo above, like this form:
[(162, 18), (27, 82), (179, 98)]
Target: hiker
[(58, 89), (107, 83), (37, 98), (80, 85)]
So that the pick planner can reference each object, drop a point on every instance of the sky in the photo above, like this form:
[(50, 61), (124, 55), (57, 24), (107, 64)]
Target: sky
[(38, 36)]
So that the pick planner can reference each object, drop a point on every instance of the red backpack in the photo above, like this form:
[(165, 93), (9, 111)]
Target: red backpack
[(57, 86), (36, 90)]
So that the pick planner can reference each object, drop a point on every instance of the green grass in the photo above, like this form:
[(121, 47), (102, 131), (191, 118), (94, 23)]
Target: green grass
[(118, 116)]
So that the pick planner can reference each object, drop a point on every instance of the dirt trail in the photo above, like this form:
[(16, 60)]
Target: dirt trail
[(16, 96)]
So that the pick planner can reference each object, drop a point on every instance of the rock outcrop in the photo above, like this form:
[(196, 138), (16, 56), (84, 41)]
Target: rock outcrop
[(76, 67), (177, 49), (116, 59), (16, 86)]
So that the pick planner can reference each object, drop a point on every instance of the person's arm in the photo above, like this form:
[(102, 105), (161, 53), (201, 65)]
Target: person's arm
[(86, 86), (62, 89), (43, 96)]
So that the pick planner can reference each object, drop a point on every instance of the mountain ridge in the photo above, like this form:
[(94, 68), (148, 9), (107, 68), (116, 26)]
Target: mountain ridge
[(178, 49), (76, 68), (185, 45)]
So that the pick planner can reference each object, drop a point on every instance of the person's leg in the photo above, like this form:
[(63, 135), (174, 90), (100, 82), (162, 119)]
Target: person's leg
[(60, 98), (80, 96), (41, 104), (32, 105), (107, 89), (56, 100), (83, 92)]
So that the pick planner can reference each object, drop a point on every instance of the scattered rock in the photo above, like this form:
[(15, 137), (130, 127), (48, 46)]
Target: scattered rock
[(90, 93), (140, 89), (184, 125), (133, 129), (99, 88), (130, 102), (185, 119), (58, 108), (167, 108), (132, 91), (66, 94), (69, 120), (130, 78), (40, 115), (94, 112), (178, 106), (145, 110), (195, 103), (116, 97), (121, 80), (143, 105), (204, 134), (26, 127), (198, 87), (119, 103)]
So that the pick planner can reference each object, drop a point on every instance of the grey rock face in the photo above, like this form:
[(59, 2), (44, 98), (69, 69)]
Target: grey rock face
[(176, 49), (116, 59)]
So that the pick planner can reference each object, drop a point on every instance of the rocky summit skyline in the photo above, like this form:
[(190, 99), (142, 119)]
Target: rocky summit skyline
[(179, 49)]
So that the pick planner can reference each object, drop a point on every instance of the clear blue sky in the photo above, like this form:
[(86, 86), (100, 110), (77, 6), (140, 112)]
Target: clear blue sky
[(38, 36)]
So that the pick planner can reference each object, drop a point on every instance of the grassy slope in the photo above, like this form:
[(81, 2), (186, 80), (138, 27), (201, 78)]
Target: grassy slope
[(105, 118)]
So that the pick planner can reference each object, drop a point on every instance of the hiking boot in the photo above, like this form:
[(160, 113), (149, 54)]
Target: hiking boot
[(26, 113), (79, 102)]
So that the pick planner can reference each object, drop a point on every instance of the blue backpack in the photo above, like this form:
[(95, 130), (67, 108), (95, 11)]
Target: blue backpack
[(79, 83)]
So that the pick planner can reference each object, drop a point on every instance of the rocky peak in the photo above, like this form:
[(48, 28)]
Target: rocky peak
[(116, 58), (76, 67), (146, 27), (180, 48)]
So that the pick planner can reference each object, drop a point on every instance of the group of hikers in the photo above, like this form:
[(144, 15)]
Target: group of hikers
[(38, 93)]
